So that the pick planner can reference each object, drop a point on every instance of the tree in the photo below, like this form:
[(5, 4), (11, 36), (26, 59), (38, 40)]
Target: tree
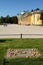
[(41, 17), (8, 19), (2, 19), (15, 19)]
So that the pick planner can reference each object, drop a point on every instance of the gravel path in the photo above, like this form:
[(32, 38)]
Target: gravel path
[(14, 31)]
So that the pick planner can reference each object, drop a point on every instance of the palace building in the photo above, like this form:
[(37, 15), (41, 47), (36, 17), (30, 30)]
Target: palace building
[(30, 18)]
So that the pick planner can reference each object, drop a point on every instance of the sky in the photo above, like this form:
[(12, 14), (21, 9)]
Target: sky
[(13, 7)]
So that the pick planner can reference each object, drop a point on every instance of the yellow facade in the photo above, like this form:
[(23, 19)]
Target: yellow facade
[(32, 19), (38, 21), (29, 19)]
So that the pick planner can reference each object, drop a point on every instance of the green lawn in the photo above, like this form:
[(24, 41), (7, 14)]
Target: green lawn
[(21, 43)]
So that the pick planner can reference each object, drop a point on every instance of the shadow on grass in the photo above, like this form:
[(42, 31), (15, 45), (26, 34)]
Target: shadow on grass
[(25, 61), (2, 40)]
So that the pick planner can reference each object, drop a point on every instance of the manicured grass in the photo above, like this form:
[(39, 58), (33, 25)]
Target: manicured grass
[(21, 43)]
